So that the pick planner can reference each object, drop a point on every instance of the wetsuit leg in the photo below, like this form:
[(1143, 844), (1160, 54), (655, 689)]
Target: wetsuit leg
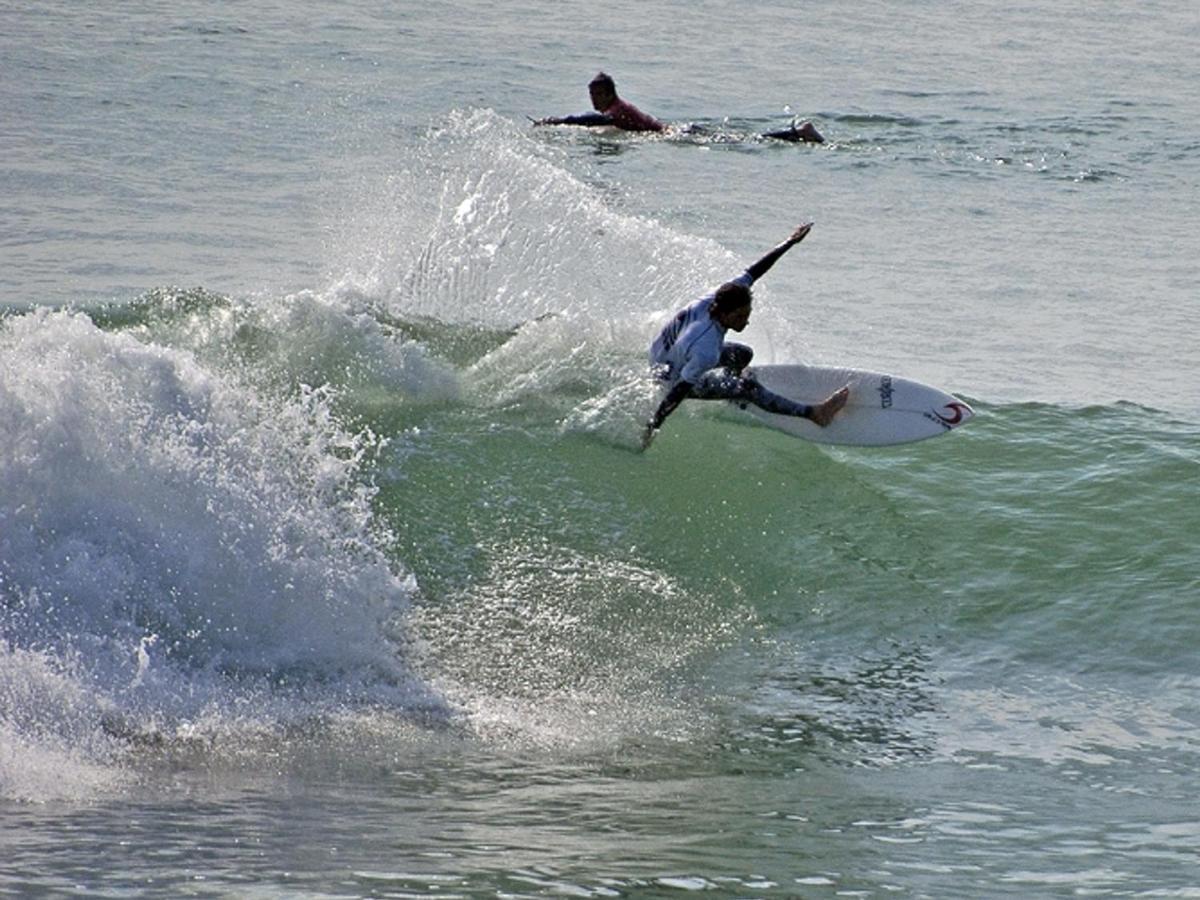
[(721, 385)]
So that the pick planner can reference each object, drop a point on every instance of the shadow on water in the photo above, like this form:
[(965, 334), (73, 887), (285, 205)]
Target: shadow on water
[(870, 711)]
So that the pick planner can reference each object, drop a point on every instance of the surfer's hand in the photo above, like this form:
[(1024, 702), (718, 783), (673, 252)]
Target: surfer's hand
[(800, 233), (647, 435)]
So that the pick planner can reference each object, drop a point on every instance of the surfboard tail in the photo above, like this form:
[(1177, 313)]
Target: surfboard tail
[(883, 409)]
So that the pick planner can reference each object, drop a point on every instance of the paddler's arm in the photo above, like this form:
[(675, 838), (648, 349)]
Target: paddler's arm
[(676, 395), (587, 119), (760, 268)]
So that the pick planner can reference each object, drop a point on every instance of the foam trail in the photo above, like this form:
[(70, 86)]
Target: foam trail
[(483, 224)]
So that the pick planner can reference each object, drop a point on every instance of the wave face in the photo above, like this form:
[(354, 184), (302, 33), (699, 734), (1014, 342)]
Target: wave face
[(413, 492)]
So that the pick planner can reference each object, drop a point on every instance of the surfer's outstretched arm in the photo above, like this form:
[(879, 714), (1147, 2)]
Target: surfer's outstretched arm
[(676, 395), (760, 268)]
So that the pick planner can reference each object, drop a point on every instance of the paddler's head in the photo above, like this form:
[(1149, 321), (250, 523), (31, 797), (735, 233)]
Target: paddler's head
[(603, 90)]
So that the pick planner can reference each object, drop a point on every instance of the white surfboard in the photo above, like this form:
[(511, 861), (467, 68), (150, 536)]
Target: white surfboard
[(882, 409)]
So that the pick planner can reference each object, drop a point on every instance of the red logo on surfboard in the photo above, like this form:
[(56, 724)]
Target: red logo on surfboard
[(958, 413)]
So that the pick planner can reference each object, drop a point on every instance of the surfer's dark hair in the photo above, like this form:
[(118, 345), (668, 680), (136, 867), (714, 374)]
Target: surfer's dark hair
[(603, 79), (730, 296)]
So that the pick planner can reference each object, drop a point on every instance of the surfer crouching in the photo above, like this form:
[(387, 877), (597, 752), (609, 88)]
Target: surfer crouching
[(693, 357)]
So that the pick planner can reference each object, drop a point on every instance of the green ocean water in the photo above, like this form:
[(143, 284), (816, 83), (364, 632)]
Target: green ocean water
[(940, 654)]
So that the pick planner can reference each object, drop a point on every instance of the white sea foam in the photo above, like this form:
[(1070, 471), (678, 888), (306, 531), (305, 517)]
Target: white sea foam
[(167, 532), (51, 747)]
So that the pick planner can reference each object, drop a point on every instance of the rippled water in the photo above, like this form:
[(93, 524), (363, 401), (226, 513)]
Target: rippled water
[(327, 563)]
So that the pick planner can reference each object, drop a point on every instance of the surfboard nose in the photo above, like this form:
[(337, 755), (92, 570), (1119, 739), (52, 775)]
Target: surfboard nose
[(954, 414)]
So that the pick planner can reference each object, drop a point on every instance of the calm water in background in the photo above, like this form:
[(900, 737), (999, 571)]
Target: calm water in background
[(326, 567)]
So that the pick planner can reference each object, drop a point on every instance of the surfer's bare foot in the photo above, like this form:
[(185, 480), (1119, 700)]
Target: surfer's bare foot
[(824, 412)]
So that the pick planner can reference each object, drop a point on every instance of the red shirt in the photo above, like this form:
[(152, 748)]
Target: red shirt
[(625, 115)]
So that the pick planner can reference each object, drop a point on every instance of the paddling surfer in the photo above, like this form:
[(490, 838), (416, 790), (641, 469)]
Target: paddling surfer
[(692, 356), (611, 110)]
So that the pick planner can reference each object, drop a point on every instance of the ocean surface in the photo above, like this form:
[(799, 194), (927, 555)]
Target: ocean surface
[(328, 563)]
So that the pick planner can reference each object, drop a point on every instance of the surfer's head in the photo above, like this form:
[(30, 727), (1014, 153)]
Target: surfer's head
[(603, 90), (731, 305)]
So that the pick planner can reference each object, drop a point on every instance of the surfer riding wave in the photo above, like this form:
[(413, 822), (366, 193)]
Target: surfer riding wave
[(691, 354)]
